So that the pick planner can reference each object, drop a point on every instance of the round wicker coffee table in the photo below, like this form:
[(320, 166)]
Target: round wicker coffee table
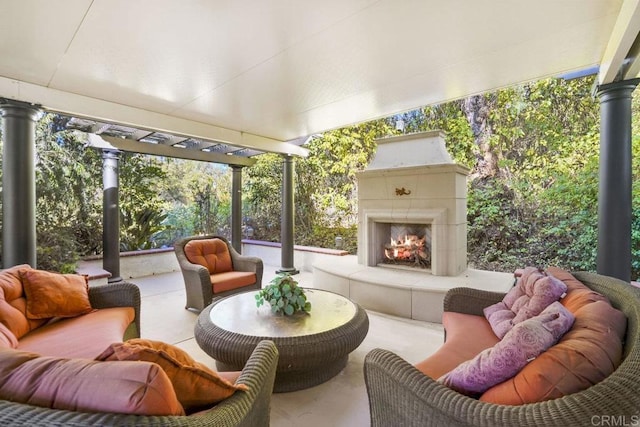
[(313, 347)]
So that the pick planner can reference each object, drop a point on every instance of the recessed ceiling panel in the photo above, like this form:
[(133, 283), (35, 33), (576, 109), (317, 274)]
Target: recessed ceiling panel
[(34, 36)]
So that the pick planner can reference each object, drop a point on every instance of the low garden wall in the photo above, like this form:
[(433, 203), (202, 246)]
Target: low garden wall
[(160, 261)]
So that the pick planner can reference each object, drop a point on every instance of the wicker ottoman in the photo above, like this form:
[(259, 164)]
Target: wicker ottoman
[(313, 347)]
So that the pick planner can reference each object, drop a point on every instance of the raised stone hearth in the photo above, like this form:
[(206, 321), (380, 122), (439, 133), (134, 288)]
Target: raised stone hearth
[(403, 293)]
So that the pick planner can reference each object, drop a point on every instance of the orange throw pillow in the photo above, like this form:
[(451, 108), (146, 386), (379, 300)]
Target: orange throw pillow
[(7, 338), (196, 385), (55, 295)]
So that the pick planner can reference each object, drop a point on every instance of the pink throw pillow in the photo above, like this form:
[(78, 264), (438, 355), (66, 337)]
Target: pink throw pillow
[(534, 292), (523, 343), (83, 385)]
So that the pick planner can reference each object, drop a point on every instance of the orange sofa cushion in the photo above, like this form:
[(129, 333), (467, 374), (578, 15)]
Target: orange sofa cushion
[(210, 253), (84, 336), (584, 356), (467, 335), (86, 385), (55, 295), (196, 385), (7, 338), (13, 304), (227, 281)]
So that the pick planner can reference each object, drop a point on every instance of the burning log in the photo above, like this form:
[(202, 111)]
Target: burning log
[(411, 250)]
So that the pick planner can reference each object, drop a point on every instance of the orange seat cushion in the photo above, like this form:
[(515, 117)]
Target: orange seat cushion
[(222, 282), (196, 385), (584, 356), (461, 345), (85, 336), (213, 254)]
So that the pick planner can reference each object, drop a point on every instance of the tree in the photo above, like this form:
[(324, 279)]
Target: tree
[(68, 202), (197, 198)]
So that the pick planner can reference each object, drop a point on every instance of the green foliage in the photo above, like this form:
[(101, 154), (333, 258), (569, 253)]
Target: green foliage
[(497, 226), (179, 222), (197, 199), (284, 296), (141, 208), (325, 185), (325, 237), (68, 197), (57, 250), (262, 200)]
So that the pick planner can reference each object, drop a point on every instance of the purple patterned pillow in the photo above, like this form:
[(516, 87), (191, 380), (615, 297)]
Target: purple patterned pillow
[(533, 293), (524, 342)]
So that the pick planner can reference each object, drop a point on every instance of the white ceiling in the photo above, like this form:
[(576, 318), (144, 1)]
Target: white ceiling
[(258, 72)]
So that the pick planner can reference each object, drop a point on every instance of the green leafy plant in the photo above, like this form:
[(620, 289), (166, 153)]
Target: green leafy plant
[(284, 295)]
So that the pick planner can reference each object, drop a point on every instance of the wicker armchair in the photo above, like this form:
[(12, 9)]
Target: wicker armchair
[(199, 280), (250, 408), (399, 394)]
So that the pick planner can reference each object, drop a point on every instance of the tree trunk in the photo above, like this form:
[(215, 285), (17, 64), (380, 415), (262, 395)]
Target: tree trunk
[(477, 109)]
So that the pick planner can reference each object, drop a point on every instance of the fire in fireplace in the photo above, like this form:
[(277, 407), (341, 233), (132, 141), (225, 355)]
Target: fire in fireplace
[(409, 246)]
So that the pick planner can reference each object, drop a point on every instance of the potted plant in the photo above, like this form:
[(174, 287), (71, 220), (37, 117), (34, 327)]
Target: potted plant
[(284, 295)]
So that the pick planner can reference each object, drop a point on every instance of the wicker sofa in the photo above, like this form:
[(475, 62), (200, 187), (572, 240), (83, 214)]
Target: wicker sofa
[(399, 394), (250, 408), (65, 350)]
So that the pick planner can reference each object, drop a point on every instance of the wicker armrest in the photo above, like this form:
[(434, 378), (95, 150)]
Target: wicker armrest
[(399, 394), (247, 263), (121, 294), (470, 301)]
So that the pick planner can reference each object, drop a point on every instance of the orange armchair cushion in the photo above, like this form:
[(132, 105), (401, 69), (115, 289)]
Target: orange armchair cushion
[(210, 253), (223, 282)]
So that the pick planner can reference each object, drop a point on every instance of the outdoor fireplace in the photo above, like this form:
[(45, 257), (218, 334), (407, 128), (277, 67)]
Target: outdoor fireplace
[(412, 207)]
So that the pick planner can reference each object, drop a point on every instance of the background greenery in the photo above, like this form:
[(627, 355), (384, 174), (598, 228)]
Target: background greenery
[(532, 199)]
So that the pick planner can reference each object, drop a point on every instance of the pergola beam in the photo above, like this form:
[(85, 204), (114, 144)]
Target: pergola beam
[(623, 37), (96, 109), (633, 68), (130, 145)]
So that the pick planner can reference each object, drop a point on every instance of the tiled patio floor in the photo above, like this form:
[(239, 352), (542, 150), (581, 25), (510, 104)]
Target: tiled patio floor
[(342, 401)]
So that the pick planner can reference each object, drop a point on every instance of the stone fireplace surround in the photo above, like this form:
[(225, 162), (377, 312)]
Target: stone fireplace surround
[(413, 180)]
